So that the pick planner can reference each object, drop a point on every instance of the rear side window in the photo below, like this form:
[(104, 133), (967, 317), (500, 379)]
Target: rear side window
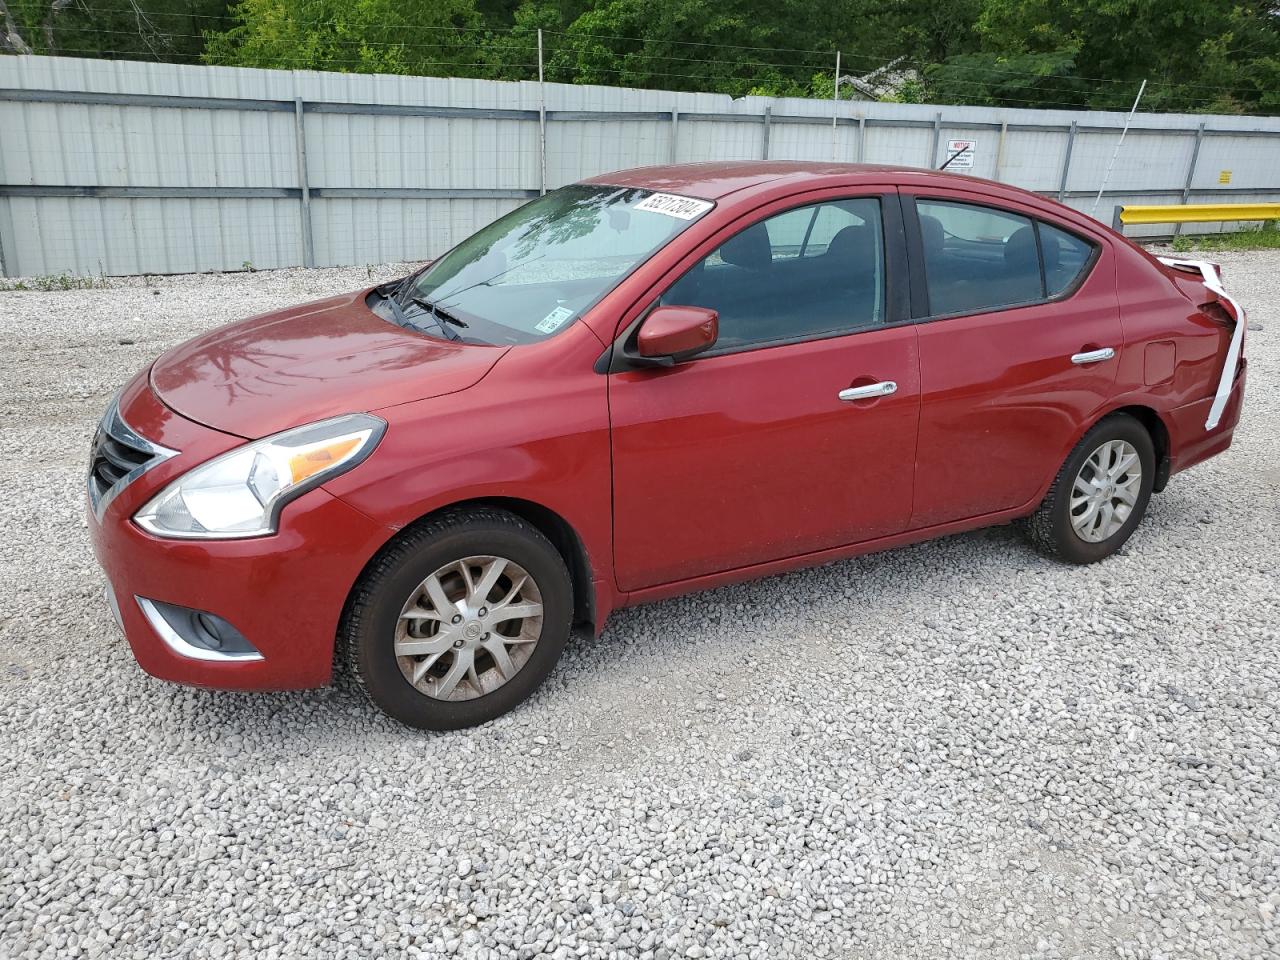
[(810, 272), (1065, 258), (977, 258)]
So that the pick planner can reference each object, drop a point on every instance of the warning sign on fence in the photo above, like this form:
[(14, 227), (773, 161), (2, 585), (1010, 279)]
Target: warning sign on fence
[(962, 152)]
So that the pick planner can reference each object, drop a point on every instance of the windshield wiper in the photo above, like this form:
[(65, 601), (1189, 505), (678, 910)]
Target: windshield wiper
[(390, 295), (440, 313)]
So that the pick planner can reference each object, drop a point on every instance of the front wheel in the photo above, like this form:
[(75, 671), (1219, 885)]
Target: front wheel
[(1100, 494), (459, 620)]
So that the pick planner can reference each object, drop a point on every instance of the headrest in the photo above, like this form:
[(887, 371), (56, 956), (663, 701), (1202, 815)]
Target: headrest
[(1020, 250), (852, 243), (748, 249), (931, 233)]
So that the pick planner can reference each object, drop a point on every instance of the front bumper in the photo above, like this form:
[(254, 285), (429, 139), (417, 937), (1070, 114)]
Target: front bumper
[(284, 593)]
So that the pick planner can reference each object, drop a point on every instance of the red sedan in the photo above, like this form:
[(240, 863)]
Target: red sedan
[(648, 383)]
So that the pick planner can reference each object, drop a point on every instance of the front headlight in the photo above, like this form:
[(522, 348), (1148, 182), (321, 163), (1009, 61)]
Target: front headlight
[(240, 493)]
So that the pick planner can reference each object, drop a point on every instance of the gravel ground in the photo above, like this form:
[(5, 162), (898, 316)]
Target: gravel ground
[(958, 749)]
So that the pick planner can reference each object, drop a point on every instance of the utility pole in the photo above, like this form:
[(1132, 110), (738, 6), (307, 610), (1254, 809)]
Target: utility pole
[(835, 108), (542, 121)]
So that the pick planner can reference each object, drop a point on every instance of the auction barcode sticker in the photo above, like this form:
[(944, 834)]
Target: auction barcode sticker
[(682, 208), (554, 320)]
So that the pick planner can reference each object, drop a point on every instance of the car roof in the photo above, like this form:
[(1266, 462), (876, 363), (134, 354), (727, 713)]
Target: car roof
[(717, 179)]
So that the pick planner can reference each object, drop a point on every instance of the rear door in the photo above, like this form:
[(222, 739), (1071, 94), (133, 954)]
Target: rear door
[(1019, 347), (749, 453)]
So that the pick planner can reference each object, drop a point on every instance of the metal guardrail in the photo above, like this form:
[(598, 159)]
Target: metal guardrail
[(1194, 213)]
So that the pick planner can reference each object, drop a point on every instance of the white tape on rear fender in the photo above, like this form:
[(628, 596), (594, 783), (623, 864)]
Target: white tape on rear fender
[(1213, 281)]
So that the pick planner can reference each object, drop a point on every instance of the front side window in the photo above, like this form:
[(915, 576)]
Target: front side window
[(533, 272), (813, 271)]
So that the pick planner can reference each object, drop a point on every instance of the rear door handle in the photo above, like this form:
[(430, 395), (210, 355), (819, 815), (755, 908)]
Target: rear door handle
[(882, 389), (1093, 356)]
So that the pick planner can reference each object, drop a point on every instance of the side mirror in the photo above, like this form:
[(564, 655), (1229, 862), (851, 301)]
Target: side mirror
[(673, 334)]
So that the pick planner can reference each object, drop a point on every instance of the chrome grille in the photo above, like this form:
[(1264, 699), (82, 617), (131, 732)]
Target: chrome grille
[(118, 456)]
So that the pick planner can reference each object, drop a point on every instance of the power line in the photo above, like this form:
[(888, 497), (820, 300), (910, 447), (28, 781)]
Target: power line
[(197, 58), (765, 71), (321, 62), (735, 72), (827, 53), (347, 41)]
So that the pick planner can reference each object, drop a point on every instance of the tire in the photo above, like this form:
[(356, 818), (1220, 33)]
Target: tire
[(1051, 528), (382, 617)]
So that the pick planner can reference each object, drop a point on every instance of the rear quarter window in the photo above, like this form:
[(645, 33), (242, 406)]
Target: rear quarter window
[(1066, 257)]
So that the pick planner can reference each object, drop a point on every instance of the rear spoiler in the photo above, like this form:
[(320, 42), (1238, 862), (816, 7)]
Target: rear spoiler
[(1211, 275)]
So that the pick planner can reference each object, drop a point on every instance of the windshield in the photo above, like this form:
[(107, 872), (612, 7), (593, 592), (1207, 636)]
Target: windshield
[(529, 275)]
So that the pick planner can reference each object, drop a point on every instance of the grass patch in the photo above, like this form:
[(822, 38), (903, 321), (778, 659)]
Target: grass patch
[(1267, 237), (60, 281)]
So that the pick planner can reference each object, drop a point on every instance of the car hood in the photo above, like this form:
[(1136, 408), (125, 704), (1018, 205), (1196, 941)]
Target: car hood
[(306, 363)]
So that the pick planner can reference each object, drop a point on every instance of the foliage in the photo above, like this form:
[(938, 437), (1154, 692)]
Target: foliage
[(166, 30), (1017, 80), (1267, 237), (912, 91), (1197, 55), (361, 36), (1219, 56), (53, 282)]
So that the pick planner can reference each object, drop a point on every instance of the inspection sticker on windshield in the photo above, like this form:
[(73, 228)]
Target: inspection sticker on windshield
[(682, 208), (554, 320)]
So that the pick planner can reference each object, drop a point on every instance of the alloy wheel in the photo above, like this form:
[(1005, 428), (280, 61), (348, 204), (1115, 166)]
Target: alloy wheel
[(468, 628), (1106, 491)]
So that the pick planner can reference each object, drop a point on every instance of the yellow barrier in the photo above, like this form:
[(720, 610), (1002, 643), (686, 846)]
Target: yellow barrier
[(1199, 213)]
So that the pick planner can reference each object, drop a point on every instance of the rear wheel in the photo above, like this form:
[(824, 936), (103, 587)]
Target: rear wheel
[(1100, 494), (459, 620)]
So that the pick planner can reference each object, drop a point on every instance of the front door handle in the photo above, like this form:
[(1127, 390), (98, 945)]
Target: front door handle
[(882, 389), (1093, 356)]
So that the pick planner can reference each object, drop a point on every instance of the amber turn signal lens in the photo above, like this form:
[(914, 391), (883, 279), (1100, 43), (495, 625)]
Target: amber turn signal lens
[(310, 462)]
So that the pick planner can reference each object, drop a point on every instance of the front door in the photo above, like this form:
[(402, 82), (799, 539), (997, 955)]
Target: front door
[(797, 432)]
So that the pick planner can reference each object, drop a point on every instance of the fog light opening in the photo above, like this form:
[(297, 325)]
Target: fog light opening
[(209, 628), (197, 634)]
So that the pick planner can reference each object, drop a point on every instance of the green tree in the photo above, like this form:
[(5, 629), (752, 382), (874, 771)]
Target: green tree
[(426, 37), (735, 46), (11, 39), (927, 31), (165, 30), (512, 54), (1220, 56), (1199, 55)]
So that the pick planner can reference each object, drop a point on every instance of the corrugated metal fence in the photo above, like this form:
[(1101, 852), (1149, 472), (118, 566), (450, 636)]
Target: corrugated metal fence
[(114, 167)]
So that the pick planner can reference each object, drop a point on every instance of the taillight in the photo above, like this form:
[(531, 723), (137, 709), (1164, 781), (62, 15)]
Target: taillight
[(1217, 312)]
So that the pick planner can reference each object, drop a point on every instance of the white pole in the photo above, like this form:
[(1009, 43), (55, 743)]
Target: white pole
[(542, 120), (1115, 153), (835, 107), (1004, 129)]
